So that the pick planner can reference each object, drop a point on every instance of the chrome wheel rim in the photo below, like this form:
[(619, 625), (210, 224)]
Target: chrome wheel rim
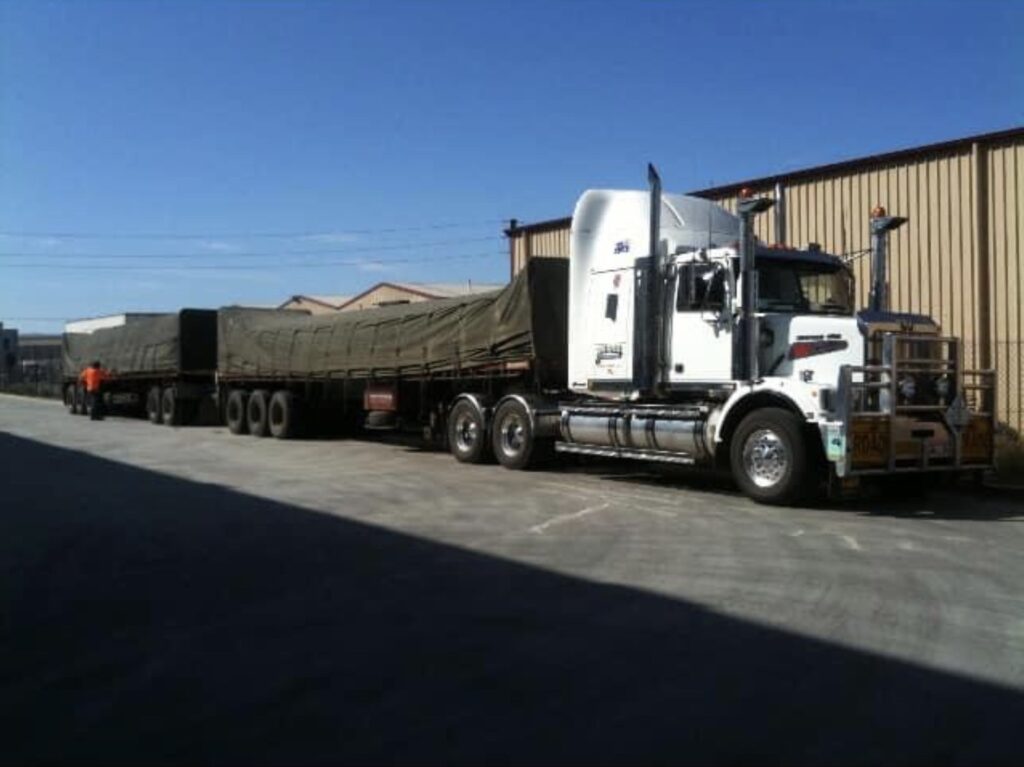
[(513, 434), (467, 432), (765, 458)]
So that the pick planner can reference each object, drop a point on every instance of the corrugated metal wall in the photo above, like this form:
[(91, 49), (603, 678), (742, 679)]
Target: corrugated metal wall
[(547, 242), (1005, 166), (965, 209), (958, 259)]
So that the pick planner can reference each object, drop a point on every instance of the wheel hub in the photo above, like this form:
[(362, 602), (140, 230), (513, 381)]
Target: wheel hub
[(467, 432), (765, 458), (513, 435)]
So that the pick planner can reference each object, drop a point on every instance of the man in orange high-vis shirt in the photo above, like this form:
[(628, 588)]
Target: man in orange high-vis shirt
[(92, 378)]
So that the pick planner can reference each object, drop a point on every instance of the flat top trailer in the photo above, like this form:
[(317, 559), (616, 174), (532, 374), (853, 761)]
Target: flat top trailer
[(520, 326)]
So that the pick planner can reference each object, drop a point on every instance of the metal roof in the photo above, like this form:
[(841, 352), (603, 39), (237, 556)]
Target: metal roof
[(447, 289), (885, 158), (330, 301)]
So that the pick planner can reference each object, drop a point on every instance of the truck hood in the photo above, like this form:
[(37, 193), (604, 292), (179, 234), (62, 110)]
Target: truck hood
[(787, 330)]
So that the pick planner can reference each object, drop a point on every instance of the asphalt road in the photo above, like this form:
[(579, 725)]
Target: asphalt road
[(184, 595)]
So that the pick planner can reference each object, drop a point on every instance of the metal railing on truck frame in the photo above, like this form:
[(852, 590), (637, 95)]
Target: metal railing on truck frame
[(888, 431)]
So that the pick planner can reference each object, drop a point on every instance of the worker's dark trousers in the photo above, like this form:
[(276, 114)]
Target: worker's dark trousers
[(95, 405)]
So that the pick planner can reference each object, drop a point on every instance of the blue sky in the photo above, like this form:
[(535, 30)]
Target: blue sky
[(362, 133)]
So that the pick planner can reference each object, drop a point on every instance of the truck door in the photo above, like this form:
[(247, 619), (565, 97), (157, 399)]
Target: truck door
[(701, 342), (610, 328)]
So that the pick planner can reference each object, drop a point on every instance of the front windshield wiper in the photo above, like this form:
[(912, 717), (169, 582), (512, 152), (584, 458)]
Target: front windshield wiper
[(769, 305)]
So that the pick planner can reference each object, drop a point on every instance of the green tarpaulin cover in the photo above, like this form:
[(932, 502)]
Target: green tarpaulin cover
[(524, 321), (167, 344)]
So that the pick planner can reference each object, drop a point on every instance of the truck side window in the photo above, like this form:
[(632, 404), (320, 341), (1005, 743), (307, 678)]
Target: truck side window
[(611, 306), (701, 288)]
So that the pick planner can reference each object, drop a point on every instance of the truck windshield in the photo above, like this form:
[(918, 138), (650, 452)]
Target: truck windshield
[(808, 288)]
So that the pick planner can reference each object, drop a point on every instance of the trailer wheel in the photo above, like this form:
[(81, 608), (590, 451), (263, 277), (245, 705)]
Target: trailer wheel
[(154, 406), (235, 413), (79, 400), (515, 445), (467, 433), (170, 407), (768, 456), (256, 413), (281, 415)]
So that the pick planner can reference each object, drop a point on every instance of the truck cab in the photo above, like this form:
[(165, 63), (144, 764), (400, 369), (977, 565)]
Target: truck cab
[(691, 342)]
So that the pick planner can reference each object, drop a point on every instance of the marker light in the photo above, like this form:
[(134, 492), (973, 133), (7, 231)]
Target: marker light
[(801, 349)]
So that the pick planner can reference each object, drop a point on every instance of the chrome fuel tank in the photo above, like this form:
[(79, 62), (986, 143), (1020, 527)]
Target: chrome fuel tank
[(661, 430)]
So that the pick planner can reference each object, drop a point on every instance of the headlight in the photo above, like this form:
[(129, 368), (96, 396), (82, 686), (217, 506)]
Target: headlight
[(942, 387), (908, 387)]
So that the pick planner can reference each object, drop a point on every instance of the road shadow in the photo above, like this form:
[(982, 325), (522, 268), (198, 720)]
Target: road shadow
[(151, 619)]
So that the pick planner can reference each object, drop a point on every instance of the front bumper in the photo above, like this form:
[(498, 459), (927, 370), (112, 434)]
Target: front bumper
[(875, 434)]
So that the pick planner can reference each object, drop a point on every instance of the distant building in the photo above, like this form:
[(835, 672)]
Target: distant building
[(315, 304), (39, 358), (8, 354), (390, 293), (92, 324)]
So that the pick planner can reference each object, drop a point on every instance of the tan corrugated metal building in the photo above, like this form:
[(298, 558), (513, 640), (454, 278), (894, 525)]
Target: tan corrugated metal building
[(958, 259)]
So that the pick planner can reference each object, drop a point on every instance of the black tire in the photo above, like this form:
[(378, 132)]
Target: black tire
[(467, 433), (282, 415), (80, 407), (154, 405), (256, 413), (512, 437), (236, 412), (768, 456), (170, 407)]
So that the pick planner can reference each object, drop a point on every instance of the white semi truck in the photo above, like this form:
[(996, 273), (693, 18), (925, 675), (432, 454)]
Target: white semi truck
[(687, 342), (716, 349)]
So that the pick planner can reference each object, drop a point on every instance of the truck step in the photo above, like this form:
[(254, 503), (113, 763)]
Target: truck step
[(661, 456)]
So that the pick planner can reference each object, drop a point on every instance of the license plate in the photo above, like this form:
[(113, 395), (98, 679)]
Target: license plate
[(869, 443)]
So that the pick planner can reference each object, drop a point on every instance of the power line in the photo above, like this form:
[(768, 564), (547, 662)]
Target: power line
[(248, 235), (259, 254), (248, 267)]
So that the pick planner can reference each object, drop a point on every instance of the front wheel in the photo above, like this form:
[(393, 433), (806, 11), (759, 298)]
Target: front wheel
[(768, 456)]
